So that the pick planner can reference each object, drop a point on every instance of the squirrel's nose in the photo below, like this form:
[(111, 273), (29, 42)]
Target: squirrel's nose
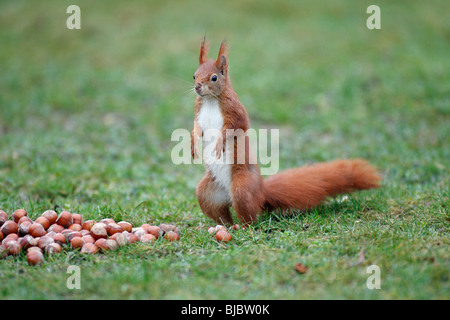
[(198, 87)]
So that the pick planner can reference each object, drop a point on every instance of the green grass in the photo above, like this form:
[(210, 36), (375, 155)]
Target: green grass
[(86, 118)]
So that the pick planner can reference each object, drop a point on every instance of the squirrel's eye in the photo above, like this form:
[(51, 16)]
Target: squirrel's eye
[(194, 77), (214, 78)]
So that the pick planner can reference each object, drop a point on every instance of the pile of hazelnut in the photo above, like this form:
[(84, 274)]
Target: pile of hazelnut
[(48, 233)]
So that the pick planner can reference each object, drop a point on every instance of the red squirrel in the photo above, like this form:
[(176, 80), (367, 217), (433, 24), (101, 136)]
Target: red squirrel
[(239, 184)]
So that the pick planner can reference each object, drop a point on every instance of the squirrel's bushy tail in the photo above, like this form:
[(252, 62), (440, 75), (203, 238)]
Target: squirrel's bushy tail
[(306, 187)]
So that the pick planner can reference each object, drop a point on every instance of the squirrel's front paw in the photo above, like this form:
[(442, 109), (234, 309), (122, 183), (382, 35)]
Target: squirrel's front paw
[(194, 147), (194, 151), (220, 147)]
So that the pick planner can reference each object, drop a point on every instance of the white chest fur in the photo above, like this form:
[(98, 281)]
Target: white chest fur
[(210, 120), (210, 117)]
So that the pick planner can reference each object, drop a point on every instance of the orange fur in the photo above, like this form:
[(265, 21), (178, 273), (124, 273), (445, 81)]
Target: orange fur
[(248, 194), (203, 57), (307, 187)]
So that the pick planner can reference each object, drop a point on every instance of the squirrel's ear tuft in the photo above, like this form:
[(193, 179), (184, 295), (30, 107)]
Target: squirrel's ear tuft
[(203, 52), (222, 62), (223, 51)]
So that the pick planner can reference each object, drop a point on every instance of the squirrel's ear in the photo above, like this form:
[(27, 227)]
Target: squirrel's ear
[(222, 62), (203, 52)]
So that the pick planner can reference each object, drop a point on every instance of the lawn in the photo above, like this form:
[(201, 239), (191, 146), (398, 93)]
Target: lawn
[(86, 118)]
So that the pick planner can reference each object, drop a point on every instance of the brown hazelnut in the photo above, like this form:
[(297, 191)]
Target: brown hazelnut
[(114, 236), (101, 244), (212, 230), (44, 221), (19, 213), (13, 236), (24, 227), (145, 226), (77, 243), (3, 217), (220, 227), (107, 221), (101, 224), (14, 248), (113, 228), (7, 241), (87, 225), (146, 238), (27, 242), (64, 219), (223, 236), (106, 244), (45, 241), (89, 248), (53, 248), (75, 227), (139, 232), (24, 219), (77, 219), (154, 230), (120, 238), (99, 231), (126, 226), (56, 228), (51, 233), (51, 216), (35, 257), (19, 240), (168, 227), (89, 239), (172, 236), (36, 230), (9, 227), (73, 234), (1, 236), (59, 238), (65, 232), (85, 232), (131, 237), (112, 244), (31, 249)]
